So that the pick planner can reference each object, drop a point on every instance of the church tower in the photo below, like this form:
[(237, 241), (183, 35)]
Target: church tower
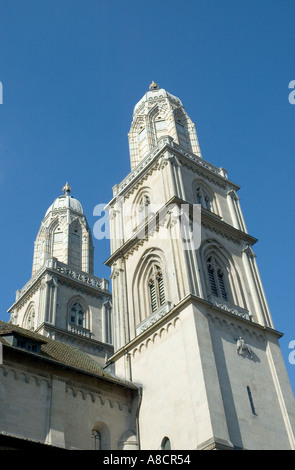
[(63, 299), (192, 325)]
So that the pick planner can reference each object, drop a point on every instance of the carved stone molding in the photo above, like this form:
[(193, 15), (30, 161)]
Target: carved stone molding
[(238, 329), (249, 251), (151, 319), (30, 375), (96, 396), (155, 336)]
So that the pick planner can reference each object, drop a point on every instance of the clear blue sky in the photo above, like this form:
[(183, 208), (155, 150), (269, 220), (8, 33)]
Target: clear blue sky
[(72, 71)]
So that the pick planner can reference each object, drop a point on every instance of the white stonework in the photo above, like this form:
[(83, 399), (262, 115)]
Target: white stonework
[(176, 331), (63, 299), (58, 406), (186, 337), (156, 115)]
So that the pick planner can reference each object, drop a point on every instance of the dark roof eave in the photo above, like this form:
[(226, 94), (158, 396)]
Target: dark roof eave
[(75, 369)]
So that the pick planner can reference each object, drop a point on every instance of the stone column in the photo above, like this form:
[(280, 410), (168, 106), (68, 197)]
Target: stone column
[(57, 411)]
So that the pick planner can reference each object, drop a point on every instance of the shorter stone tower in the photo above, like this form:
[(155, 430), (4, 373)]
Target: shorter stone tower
[(63, 299)]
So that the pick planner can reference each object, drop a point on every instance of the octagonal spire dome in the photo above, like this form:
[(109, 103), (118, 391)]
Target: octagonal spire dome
[(64, 235), (159, 114), (155, 93), (65, 201)]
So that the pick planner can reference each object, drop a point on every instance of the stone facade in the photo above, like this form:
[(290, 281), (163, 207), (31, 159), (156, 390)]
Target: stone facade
[(185, 349), (60, 397), (63, 299), (193, 326)]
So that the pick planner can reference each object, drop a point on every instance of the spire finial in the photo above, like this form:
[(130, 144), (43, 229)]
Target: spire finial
[(154, 86), (66, 189)]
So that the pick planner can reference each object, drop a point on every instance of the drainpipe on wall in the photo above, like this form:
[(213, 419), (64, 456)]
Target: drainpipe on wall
[(137, 414)]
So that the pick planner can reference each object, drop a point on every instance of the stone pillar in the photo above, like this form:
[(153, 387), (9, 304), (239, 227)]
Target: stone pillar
[(57, 411)]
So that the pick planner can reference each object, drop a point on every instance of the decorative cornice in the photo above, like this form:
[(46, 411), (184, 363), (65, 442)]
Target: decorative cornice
[(37, 376), (74, 338), (208, 220), (31, 373), (183, 156), (150, 320), (214, 311), (96, 394), (63, 274), (228, 231), (216, 444)]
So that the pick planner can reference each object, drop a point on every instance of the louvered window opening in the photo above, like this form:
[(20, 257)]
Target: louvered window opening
[(161, 289), (157, 290), (153, 296), (216, 279)]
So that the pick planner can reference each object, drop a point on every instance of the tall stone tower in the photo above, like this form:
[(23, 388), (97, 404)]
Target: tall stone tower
[(191, 321), (63, 299)]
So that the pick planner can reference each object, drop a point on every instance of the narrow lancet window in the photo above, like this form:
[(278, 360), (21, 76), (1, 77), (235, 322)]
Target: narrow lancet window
[(203, 199), (216, 279), (144, 207), (77, 314), (156, 289)]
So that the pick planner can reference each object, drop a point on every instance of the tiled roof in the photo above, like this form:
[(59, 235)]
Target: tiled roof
[(59, 352)]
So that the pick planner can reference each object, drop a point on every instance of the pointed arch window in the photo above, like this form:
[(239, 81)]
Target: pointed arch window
[(144, 207), (57, 236), (160, 124), (160, 127), (29, 318), (203, 198), (216, 277), (156, 289), (77, 314), (57, 245), (141, 134), (180, 128)]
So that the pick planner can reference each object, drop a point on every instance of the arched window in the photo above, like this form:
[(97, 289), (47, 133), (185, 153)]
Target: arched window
[(165, 444), (97, 439), (160, 127), (141, 134), (183, 133), (57, 236), (156, 288), (150, 287), (77, 314), (57, 244), (144, 207), (216, 278), (203, 198), (29, 317), (142, 142)]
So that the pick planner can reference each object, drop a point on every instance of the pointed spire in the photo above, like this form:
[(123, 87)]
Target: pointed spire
[(66, 189), (154, 86)]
